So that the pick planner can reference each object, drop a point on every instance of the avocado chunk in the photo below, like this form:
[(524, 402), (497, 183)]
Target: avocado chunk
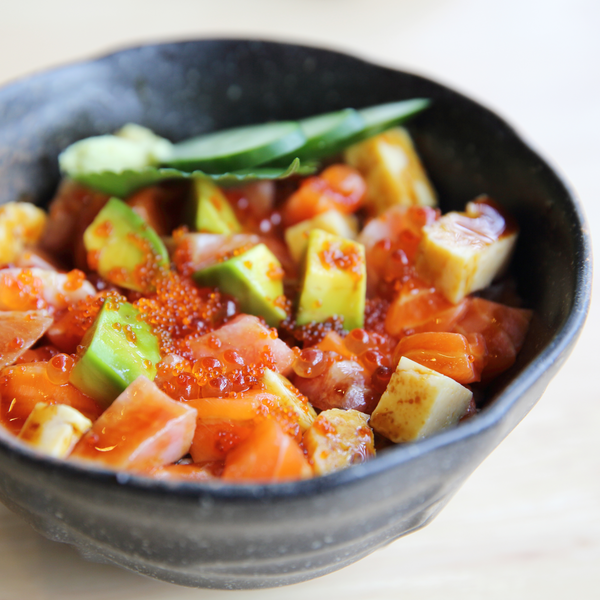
[(133, 148), (334, 280), (212, 212), (291, 401), (123, 248), (333, 221), (254, 278), (119, 347)]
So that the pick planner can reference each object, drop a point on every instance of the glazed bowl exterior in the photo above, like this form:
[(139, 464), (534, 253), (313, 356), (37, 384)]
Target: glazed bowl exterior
[(246, 536)]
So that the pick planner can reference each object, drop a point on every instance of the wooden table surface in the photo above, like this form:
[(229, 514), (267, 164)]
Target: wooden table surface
[(527, 523)]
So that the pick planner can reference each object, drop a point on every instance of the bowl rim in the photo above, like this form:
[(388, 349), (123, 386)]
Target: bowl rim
[(558, 347)]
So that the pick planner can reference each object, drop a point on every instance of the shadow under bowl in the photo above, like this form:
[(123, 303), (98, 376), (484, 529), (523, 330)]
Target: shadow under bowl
[(247, 536)]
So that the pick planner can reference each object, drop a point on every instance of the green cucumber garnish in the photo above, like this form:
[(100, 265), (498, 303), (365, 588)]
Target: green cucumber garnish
[(385, 116), (233, 156), (324, 133), (238, 148), (331, 133)]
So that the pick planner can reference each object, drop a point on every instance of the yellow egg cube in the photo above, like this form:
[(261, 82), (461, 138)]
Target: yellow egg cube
[(418, 402), (54, 429), (458, 260), (21, 223), (392, 170), (338, 439)]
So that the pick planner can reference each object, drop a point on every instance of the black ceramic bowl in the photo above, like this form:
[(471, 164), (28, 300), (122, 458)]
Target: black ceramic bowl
[(245, 536)]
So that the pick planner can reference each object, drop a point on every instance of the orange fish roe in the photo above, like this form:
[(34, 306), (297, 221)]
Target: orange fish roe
[(179, 309), (275, 272), (104, 229), (75, 279), (70, 327), (118, 275), (182, 257), (342, 256), (283, 302), (222, 257), (22, 292), (209, 377), (149, 269), (130, 334), (16, 343), (93, 259), (59, 368), (376, 310)]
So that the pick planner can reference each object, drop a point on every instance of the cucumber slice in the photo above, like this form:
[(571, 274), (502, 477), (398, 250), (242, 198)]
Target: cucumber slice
[(238, 148), (385, 116), (124, 183), (329, 134), (233, 156), (324, 133)]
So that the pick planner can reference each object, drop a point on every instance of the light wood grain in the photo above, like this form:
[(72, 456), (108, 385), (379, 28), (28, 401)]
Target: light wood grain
[(527, 523)]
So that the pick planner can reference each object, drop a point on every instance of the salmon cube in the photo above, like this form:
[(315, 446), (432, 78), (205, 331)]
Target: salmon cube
[(141, 429)]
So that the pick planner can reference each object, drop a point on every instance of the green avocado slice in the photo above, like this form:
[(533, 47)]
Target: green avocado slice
[(254, 278), (123, 248), (212, 211), (324, 134), (119, 347), (334, 280)]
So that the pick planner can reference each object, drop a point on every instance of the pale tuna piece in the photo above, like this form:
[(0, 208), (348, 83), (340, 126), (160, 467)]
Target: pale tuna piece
[(398, 227), (391, 224), (23, 289), (19, 330), (249, 337), (338, 439), (36, 259), (54, 429), (143, 428), (343, 385), (260, 196), (462, 253), (201, 250), (392, 170), (418, 402)]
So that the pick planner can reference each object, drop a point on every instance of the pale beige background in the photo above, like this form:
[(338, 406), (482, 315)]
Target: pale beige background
[(527, 523)]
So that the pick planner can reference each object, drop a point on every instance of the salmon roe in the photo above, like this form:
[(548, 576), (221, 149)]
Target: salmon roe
[(59, 368)]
